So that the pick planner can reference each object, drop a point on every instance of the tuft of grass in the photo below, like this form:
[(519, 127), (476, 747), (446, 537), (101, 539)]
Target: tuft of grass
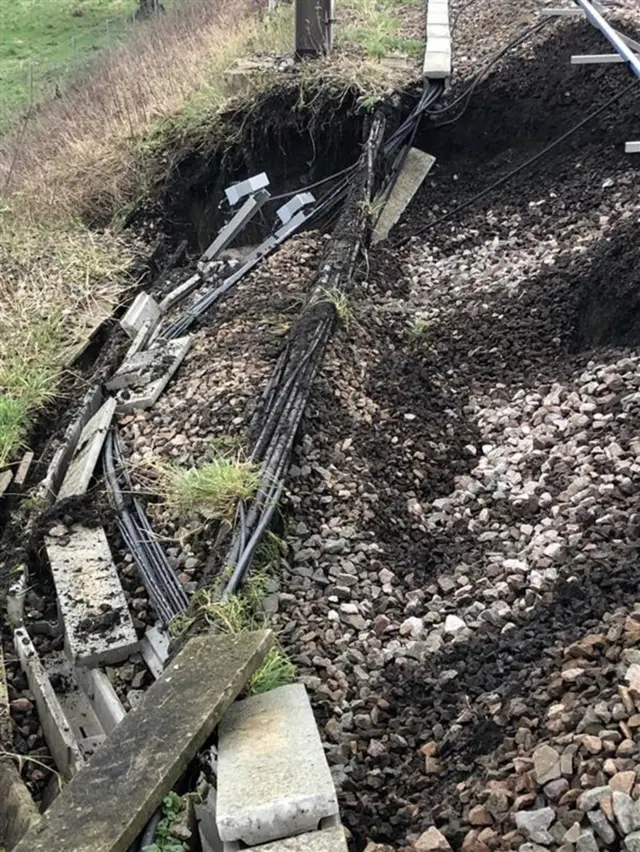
[(419, 329), (340, 304), (277, 670), (213, 489), (237, 614), (13, 422), (378, 29)]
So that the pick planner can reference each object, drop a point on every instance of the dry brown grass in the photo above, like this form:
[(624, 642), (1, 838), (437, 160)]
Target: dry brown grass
[(83, 155)]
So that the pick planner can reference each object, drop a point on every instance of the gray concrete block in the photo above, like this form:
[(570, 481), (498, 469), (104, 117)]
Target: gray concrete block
[(49, 486), (144, 308), (5, 481), (154, 377), (273, 776), (325, 840), (416, 167), (55, 725), (97, 623), (87, 452), (180, 292), (23, 470), (154, 647), (239, 190)]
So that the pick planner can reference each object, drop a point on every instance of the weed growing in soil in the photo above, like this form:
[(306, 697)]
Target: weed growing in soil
[(419, 329), (340, 304), (213, 489), (164, 841), (237, 614)]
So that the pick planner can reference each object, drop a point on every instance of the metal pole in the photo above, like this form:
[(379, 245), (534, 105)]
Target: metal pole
[(611, 35)]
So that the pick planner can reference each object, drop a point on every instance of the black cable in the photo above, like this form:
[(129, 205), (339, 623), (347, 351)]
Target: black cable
[(534, 159), (468, 92)]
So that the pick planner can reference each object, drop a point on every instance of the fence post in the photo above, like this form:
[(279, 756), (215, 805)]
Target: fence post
[(314, 25)]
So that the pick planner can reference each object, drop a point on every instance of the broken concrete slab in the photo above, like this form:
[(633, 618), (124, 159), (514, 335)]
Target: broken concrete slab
[(180, 292), (144, 309), (143, 379), (97, 623), (49, 486), (146, 754), (273, 776), (415, 168), (87, 452), (154, 647), (55, 725), (325, 840)]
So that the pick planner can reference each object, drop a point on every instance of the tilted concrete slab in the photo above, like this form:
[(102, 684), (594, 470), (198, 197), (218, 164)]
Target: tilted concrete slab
[(416, 167), (273, 776), (167, 359), (144, 308), (632, 147), (325, 840), (97, 623), (55, 725), (23, 470), (49, 486), (154, 647), (5, 481), (109, 802), (87, 453)]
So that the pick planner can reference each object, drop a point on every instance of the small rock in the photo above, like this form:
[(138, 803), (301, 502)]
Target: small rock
[(546, 762), (626, 812), (412, 626), (572, 834), (534, 824), (432, 840), (432, 765), (633, 679), (453, 624), (590, 798), (554, 789), (21, 705), (592, 744), (602, 826), (479, 816), (380, 624), (623, 781), (587, 842), (632, 842)]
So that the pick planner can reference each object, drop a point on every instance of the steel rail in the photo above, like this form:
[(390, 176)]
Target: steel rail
[(613, 37)]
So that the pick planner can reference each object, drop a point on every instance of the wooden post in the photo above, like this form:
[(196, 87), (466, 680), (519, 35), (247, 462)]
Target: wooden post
[(313, 27)]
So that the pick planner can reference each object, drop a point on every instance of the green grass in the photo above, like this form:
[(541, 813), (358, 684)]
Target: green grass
[(379, 30), (419, 329), (213, 489), (48, 40), (13, 424), (237, 614)]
